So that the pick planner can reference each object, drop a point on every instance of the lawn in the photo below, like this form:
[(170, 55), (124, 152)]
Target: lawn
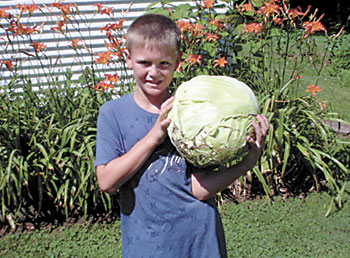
[(335, 90), (286, 228), (334, 79), (292, 228)]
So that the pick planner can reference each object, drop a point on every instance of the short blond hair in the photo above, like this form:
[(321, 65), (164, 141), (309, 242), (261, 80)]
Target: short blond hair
[(154, 30)]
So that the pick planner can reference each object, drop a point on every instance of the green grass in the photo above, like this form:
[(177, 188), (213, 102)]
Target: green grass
[(335, 91), (334, 79), (94, 240), (295, 228), (291, 228)]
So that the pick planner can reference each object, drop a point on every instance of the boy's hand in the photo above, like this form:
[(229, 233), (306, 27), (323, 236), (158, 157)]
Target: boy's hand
[(256, 142), (207, 184), (159, 130)]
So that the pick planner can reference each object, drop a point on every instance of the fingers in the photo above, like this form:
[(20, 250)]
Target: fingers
[(261, 128), (159, 130), (165, 108), (264, 124)]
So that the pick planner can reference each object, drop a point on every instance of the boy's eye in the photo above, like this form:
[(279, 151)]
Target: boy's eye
[(164, 63), (145, 63)]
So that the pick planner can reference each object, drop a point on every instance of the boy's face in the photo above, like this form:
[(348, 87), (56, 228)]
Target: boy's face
[(153, 68)]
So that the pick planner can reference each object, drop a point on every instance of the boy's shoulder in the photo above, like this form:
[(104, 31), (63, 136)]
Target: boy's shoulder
[(113, 104)]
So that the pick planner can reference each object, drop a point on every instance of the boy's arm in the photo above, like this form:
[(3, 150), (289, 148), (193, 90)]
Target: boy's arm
[(118, 171), (207, 184)]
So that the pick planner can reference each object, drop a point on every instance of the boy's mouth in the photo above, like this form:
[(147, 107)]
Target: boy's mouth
[(153, 83)]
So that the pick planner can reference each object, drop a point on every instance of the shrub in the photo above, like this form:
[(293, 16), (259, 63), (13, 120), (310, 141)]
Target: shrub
[(48, 148)]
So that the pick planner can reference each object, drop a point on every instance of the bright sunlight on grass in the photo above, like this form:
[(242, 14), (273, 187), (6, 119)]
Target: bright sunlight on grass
[(291, 228), (334, 79)]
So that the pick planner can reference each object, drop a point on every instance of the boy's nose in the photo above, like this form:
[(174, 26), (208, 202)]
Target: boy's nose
[(153, 70)]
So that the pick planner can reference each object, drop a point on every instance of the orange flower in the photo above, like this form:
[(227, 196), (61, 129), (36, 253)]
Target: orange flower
[(22, 8), (116, 46), (313, 89), (313, 26), (248, 7), (66, 9), (113, 26), (208, 3), (31, 8), (57, 4), (20, 29), (295, 12), (277, 20), (184, 25), (99, 7), (252, 27), (104, 57), (217, 23), (27, 8), (59, 26), (4, 14), (193, 59), (29, 30), (195, 28), (269, 8), (107, 11), (178, 68), (221, 61), (103, 85), (112, 78), (12, 28), (211, 37), (75, 43), (38, 46), (8, 63)]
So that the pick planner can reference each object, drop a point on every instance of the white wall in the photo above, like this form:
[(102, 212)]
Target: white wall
[(57, 44)]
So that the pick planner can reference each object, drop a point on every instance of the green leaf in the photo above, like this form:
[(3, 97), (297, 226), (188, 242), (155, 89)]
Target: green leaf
[(181, 11)]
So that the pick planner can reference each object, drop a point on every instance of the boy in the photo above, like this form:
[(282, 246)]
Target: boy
[(167, 210)]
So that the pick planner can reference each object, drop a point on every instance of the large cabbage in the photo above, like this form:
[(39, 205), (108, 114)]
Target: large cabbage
[(210, 119)]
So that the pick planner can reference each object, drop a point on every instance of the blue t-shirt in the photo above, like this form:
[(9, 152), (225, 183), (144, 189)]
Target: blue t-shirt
[(160, 217)]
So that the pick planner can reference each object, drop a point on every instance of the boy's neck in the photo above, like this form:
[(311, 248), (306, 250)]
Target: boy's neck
[(150, 103)]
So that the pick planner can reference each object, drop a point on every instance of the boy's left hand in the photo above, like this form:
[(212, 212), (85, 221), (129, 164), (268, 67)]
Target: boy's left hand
[(256, 142), (207, 184)]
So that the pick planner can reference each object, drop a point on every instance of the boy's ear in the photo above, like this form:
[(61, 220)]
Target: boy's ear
[(128, 59)]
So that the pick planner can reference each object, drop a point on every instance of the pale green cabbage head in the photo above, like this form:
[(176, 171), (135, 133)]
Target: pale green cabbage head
[(210, 119)]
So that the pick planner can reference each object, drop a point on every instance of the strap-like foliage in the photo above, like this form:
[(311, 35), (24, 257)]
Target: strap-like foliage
[(48, 148)]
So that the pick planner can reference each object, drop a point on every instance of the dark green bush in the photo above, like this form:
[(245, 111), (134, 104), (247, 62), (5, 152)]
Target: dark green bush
[(47, 151)]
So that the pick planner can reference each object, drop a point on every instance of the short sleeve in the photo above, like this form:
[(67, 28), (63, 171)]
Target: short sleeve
[(109, 144)]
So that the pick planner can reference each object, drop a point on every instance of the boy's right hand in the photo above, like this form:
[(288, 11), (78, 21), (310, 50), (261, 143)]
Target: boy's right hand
[(119, 170), (159, 130)]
